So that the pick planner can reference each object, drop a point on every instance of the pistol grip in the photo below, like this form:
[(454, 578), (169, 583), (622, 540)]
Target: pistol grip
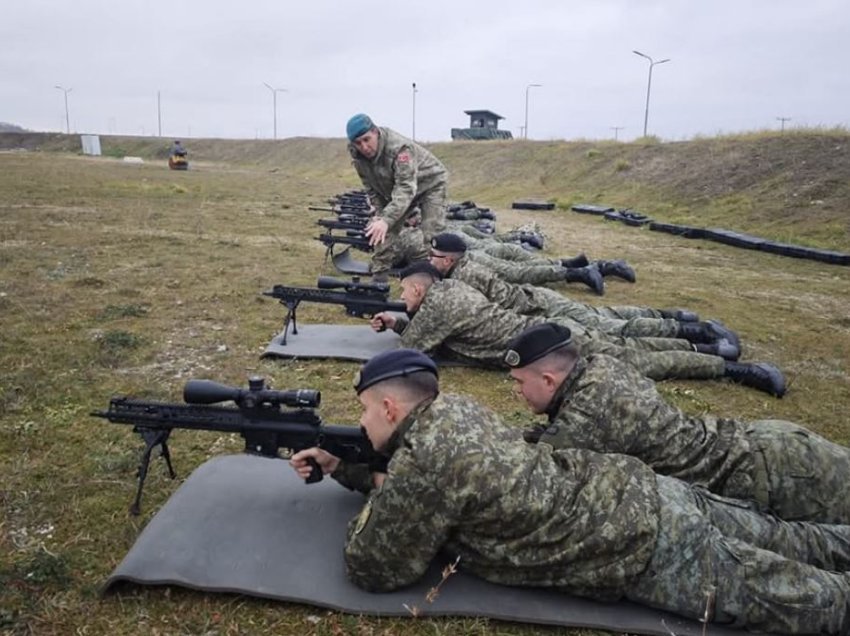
[(316, 472)]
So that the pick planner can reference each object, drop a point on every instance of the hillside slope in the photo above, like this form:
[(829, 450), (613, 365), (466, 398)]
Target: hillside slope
[(790, 187)]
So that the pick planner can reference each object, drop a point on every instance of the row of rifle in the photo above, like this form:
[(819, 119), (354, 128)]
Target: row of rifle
[(353, 211)]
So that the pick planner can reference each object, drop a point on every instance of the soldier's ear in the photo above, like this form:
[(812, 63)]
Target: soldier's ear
[(550, 380)]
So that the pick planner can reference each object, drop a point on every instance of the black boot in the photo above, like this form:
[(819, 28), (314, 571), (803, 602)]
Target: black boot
[(533, 239), (576, 261), (722, 348), (758, 375), (590, 276), (722, 332), (532, 435), (682, 315), (382, 277), (620, 269)]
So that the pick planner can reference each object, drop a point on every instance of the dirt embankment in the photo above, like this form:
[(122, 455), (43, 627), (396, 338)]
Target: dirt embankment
[(782, 186)]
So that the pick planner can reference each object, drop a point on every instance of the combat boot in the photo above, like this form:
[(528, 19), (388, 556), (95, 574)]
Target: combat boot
[(620, 269), (589, 275), (532, 238), (722, 348), (708, 331), (381, 277), (576, 261), (758, 375), (682, 315)]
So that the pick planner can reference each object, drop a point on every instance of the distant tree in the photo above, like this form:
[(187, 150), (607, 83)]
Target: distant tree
[(4, 127)]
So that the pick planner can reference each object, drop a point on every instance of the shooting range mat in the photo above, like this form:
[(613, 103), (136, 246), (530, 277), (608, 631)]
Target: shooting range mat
[(341, 342), (347, 264), (248, 525)]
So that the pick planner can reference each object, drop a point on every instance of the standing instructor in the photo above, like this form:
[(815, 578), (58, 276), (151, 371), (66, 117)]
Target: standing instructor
[(400, 176)]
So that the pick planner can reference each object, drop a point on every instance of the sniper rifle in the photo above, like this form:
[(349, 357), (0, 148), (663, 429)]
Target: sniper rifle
[(259, 417)]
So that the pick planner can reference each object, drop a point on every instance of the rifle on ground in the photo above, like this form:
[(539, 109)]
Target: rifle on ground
[(360, 300), (345, 222), (259, 417), (358, 241), (343, 209)]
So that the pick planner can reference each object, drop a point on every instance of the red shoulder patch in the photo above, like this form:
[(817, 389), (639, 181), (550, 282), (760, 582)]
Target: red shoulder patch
[(403, 157)]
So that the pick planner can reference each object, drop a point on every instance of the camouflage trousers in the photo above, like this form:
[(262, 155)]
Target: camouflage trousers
[(751, 570), (594, 318), (518, 273), (403, 243), (656, 358), (799, 475), (399, 249)]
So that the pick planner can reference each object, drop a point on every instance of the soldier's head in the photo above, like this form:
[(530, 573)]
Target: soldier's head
[(363, 135), (540, 359), (389, 386), (416, 280), (446, 250)]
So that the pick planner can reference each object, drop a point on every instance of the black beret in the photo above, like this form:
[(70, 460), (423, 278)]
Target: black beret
[(536, 342), (448, 242), (392, 364), (421, 267)]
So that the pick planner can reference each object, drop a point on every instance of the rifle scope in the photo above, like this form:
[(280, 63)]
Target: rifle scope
[(209, 392), (329, 282)]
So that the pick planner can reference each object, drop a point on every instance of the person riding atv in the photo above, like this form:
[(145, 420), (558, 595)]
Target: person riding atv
[(177, 157)]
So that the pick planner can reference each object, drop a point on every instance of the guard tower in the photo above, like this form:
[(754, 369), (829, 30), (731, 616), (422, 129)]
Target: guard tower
[(483, 124)]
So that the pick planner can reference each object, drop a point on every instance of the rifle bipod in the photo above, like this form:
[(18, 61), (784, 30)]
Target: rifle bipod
[(153, 437)]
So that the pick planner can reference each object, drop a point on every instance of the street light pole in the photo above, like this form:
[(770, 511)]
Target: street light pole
[(527, 88), (414, 112), (648, 86), (67, 118), (275, 91)]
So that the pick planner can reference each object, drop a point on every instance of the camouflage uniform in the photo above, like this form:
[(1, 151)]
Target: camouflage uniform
[(607, 407), (603, 526), (537, 301), (519, 273), (402, 176), (463, 323)]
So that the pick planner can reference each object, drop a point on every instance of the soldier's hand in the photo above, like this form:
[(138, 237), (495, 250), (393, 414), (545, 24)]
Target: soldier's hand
[(378, 479), (382, 321), (377, 231), (300, 461)]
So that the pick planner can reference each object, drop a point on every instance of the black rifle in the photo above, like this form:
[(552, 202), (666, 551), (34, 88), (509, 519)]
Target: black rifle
[(343, 209), (344, 223), (330, 240), (359, 299), (259, 417)]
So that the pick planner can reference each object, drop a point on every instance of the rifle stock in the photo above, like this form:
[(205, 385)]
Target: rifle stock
[(258, 418)]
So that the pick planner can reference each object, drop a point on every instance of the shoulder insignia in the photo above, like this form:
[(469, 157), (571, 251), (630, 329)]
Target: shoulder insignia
[(403, 157), (363, 518)]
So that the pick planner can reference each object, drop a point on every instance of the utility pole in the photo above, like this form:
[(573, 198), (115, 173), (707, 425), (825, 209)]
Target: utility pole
[(525, 128), (67, 118), (783, 120), (616, 129), (158, 115), (275, 91), (414, 112), (648, 86)]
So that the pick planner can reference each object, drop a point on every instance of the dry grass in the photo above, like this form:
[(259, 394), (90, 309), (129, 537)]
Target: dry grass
[(120, 278)]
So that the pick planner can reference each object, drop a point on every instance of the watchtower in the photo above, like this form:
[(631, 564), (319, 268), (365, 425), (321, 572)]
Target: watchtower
[(483, 124)]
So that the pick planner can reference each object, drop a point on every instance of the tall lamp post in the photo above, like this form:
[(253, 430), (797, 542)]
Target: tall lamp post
[(528, 88), (648, 86), (275, 91), (414, 112), (67, 118)]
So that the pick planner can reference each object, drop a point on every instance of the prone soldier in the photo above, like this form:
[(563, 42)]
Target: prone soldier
[(606, 527)]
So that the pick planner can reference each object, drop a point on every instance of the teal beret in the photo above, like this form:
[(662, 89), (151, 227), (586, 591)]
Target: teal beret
[(536, 342), (358, 125), (392, 364), (448, 242)]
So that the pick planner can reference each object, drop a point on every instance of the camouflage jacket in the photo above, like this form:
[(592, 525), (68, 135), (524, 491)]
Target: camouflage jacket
[(527, 300), (461, 481), (459, 320), (400, 172), (607, 406)]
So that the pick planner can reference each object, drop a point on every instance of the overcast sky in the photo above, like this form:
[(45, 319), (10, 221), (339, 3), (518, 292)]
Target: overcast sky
[(734, 65)]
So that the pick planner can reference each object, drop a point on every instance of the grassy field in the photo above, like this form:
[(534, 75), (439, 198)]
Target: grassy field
[(121, 278)]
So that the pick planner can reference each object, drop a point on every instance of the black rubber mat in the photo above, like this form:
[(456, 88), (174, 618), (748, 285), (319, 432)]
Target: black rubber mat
[(247, 525)]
